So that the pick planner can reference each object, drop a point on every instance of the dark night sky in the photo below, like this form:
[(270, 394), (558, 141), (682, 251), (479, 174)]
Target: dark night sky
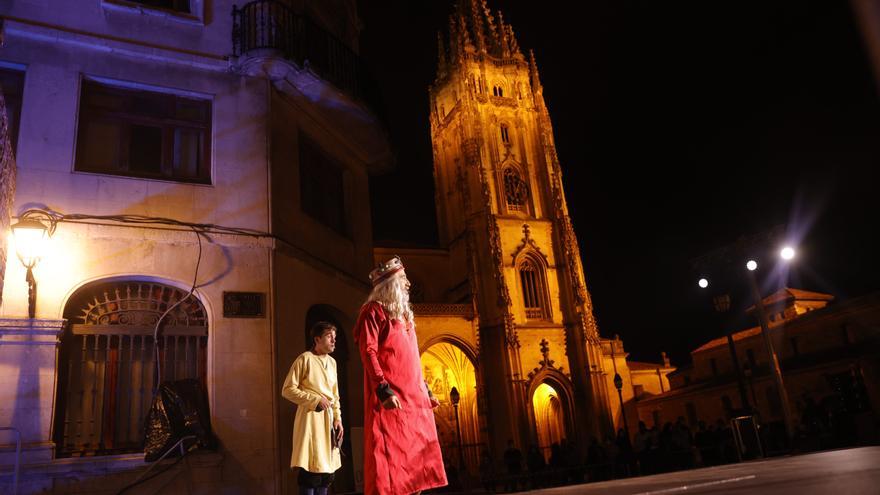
[(680, 126)]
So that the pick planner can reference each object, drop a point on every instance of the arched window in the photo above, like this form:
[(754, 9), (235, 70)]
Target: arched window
[(516, 191), (505, 134), (534, 289), (497, 91), (107, 368)]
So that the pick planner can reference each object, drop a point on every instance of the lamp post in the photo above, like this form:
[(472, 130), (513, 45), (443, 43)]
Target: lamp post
[(722, 305), (456, 398), (752, 265), (738, 251), (618, 384), (30, 237)]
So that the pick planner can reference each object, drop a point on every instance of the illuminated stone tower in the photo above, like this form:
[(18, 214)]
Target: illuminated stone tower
[(502, 214)]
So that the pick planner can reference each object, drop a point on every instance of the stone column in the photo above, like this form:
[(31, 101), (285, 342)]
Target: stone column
[(28, 361)]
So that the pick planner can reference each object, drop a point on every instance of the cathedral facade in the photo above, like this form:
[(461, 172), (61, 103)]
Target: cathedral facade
[(503, 311)]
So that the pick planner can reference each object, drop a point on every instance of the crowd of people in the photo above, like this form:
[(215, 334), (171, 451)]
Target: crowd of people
[(672, 447)]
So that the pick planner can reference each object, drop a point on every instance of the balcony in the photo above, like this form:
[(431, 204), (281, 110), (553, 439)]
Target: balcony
[(271, 40)]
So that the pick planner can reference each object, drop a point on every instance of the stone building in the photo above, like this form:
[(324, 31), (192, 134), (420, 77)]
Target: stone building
[(203, 115), (827, 352)]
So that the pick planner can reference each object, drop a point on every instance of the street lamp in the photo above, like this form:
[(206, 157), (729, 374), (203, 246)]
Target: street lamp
[(618, 384), (30, 241), (456, 398), (722, 305), (768, 343)]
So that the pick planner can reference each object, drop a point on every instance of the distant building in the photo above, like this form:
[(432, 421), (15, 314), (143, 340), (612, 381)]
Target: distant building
[(828, 353)]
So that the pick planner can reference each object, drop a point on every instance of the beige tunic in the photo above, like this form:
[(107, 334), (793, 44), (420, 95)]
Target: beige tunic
[(311, 377)]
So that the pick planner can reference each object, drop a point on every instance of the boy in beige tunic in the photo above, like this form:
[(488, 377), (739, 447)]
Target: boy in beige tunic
[(312, 385)]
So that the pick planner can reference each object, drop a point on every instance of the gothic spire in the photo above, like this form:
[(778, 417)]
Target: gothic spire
[(441, 56), (464, 34), (490, 24), (533, 73), (477, 23), (502, 30), (514, 44)]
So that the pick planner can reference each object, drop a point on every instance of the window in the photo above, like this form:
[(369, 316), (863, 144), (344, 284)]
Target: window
[(143, 134), (726, 406), (750, 357), (322, 187), (12, 85), (794, 347), (516, 192), (505, 134), (107, 369), (714, 364), (181, 6), (497, 91), (531, 276)]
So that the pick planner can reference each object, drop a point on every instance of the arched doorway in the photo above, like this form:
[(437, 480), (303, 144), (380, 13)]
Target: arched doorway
[(550, 418), (108, 366), (324, 312), (445, 365)]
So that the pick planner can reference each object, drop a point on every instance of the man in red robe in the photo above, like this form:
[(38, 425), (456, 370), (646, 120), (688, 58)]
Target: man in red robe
[(401, 451)]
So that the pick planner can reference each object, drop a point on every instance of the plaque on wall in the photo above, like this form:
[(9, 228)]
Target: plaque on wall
[(244, 305)]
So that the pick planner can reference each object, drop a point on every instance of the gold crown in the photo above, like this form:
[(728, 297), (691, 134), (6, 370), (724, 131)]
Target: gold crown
[(385, 270)]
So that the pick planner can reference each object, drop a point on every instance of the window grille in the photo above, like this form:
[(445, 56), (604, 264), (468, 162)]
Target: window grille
[(516, 192), (107, 365)]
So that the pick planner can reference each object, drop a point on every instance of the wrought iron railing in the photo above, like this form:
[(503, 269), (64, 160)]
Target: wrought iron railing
[(109, 367), (273, 25)]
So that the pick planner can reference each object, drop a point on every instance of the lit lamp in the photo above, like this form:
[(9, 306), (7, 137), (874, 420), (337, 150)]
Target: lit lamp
[(30, 242), (787, 253), (455, 397)]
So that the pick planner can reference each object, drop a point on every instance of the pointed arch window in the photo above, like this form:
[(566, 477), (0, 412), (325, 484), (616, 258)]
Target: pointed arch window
[(505, 134), (497, 91), (534, 289), (516, 191)]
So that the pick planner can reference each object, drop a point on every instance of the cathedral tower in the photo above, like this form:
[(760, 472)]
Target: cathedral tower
[(502, 212)]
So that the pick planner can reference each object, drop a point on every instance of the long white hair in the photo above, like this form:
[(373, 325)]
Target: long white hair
[(393, 295)]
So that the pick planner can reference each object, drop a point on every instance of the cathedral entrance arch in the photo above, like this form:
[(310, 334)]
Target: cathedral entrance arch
[(447, 364), (551, 409)]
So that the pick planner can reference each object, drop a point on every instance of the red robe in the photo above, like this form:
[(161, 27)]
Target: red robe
[(401, 451)]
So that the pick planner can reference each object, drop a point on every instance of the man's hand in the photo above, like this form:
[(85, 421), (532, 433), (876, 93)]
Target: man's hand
[(337, 425), (391, 403), (324, 404), (434, 402)]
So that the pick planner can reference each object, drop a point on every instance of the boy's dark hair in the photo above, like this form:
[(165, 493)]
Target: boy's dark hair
[(318, 330)]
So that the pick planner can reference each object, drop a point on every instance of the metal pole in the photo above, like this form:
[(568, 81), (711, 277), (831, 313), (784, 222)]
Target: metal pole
[(618, 384), (744, 399), (458, 429), (774, 359), (32, 292)]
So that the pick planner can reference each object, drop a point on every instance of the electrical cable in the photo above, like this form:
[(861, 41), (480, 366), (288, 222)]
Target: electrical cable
[(159, 321)]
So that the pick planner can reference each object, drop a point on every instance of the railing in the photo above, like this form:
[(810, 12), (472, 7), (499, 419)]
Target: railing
[(273, 25), (109, 381), (444, 309)]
